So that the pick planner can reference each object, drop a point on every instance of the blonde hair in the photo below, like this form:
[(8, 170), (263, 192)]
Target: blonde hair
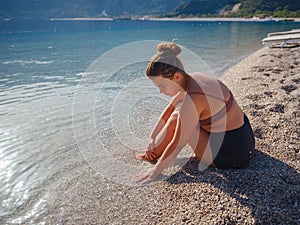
[(165, 62)]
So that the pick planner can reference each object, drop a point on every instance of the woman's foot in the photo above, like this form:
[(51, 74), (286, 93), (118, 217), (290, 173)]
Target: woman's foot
[(149, 157)]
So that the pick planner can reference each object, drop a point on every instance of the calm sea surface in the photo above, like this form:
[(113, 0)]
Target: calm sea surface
[(54, 91)]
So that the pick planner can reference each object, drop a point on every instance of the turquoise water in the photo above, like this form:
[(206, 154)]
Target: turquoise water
[(43, 66)]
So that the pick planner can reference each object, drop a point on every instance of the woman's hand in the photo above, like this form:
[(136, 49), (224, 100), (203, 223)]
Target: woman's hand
[(147, 176), (149, 154)]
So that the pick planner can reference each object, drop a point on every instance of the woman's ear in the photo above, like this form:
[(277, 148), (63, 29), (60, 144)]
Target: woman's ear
[(178, 77)]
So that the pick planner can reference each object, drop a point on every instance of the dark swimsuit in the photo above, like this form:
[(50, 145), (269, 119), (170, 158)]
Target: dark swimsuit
[(230, 149)]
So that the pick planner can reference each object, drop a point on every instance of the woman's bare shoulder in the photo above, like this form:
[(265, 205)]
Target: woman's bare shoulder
[(200, 75)]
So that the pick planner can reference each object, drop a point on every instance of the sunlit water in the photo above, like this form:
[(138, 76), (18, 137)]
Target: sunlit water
[(42, 64)]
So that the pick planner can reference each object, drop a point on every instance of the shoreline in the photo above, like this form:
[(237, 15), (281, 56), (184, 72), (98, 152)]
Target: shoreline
[(81, 19), (224, 19), (266, 85), (192, 19)]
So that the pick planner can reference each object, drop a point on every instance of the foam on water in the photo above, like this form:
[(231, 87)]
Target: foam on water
[(23, 62)]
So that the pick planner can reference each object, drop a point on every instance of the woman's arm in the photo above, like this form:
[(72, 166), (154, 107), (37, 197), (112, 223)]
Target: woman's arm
[(160, 136), (162, 140), (187, 120), (166, 115), (162, 121)]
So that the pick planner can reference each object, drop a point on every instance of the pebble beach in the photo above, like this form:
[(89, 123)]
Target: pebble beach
[(266, 86)]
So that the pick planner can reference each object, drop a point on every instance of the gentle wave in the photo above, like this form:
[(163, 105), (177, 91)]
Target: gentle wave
[(36, 131), (23, 62)]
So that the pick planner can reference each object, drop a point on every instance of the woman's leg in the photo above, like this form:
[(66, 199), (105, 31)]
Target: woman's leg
[(163, 138), (200, 143)]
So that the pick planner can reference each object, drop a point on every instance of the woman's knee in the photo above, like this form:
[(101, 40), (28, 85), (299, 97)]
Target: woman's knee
[(172, 121)]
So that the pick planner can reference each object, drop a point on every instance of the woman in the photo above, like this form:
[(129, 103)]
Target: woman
[(202, 113)]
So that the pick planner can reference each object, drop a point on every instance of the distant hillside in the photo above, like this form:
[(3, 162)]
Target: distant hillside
[(85, 8), (267, 6), (239, 7), (113, 8), (198, 7)]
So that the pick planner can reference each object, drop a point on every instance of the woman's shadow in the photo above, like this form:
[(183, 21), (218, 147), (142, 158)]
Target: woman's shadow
[(268, 187)]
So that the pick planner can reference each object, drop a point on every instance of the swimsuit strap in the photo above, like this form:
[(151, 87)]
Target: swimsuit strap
[(219, 114)]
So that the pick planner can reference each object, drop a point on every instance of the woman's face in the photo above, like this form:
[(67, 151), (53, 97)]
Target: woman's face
[(168, 86)]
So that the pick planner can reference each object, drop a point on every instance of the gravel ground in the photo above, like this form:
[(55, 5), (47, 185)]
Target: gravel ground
[(266, 85)]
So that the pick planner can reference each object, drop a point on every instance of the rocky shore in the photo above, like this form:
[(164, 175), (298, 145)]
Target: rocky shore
[(266, 85), (222, 19)]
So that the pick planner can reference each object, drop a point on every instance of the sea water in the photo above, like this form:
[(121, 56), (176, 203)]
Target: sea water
[(63, 85)]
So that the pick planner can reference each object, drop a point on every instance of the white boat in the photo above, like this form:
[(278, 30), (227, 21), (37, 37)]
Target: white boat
[(294, 31), (283, 39)]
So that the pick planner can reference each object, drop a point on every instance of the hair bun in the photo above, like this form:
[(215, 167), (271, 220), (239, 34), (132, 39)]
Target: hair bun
[(168, 48)]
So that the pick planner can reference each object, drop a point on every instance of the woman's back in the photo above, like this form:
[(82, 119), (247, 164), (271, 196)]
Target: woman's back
[(218, 110)]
